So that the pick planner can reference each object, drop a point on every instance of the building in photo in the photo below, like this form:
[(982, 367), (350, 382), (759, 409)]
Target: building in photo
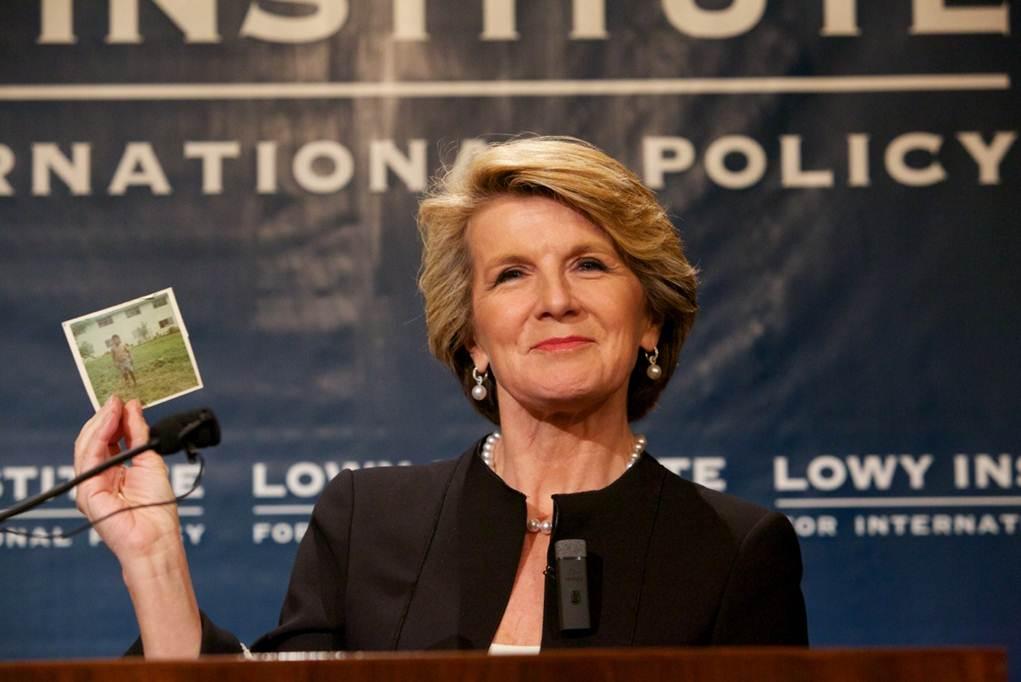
[(135, 323)]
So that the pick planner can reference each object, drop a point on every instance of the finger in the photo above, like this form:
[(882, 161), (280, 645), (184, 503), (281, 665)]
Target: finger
[(90, 424), (136, 430), (93, 446), (93, 443)]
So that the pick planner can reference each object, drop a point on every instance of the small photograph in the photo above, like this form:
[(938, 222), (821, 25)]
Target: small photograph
[(139, 349)]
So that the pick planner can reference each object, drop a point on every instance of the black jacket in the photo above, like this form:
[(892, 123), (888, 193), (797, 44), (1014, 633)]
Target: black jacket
[(424, 557)]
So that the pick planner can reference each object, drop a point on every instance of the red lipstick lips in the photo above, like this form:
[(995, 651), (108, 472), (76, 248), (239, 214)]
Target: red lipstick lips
[(556, 343)]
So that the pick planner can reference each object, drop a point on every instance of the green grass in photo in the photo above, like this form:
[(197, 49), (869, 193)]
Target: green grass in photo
[(162, 367)]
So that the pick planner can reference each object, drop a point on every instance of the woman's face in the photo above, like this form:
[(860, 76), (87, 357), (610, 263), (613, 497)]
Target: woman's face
[(558, 316)]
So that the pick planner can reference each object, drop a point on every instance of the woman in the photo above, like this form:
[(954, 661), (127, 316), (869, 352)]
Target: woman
[(558, 293)]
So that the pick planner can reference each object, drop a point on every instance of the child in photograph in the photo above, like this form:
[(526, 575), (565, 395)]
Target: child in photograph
[(122, 360)]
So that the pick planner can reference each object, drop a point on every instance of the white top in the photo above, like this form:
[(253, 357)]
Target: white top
[(512, 649)]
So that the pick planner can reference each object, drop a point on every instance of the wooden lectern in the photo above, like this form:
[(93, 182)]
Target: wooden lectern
[(620, 665)]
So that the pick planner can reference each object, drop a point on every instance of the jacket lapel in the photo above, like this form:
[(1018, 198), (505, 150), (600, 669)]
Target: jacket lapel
[(468, 571), (491, 534)]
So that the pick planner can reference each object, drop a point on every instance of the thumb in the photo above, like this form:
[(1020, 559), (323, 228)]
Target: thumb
[(136, 430)]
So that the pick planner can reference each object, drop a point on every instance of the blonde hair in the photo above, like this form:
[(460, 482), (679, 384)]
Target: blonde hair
[(587, 180)]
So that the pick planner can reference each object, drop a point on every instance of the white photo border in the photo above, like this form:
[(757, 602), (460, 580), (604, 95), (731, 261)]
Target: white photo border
[(179, 321)]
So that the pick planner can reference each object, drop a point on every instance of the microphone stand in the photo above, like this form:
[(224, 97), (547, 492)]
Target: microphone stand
[(34, 502), (166, 437)]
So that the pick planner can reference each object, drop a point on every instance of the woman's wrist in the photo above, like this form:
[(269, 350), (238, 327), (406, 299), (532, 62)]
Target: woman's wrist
[(164, 559), (165, 605)]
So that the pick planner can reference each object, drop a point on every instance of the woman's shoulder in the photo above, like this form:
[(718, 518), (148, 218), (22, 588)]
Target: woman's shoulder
[(381, 516), (405, 486), (736, 515)]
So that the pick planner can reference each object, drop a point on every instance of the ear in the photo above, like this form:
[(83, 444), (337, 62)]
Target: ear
[(479, 356), (650, 335)]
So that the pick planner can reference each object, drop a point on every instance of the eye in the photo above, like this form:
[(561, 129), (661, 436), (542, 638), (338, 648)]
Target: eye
[(507, 275), (590, 264)]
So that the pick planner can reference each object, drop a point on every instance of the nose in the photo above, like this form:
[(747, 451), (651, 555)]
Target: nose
[(556, 299)]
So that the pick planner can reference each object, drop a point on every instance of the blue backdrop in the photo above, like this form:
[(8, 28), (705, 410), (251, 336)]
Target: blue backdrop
[(846, 176)]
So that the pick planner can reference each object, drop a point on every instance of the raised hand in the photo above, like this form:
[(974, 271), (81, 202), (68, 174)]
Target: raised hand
[(129, 534), (146, 541)]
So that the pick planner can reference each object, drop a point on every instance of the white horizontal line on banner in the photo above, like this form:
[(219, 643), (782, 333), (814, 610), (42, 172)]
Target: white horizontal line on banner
[(49, 514), (880, 502), (75, 514), (282, 509), (506, 88)]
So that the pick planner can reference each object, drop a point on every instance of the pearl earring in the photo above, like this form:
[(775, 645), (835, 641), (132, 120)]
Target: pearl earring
[(653, 371), (479, 391)]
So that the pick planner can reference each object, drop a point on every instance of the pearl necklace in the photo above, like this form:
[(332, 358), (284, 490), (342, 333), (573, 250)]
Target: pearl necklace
[(546, 526)]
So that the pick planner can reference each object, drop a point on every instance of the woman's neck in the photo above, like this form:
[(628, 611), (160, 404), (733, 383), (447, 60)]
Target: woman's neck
[(542, 455)]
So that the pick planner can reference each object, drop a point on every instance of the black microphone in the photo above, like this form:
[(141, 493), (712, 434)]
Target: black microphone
[(572, 585), (192, 430)]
